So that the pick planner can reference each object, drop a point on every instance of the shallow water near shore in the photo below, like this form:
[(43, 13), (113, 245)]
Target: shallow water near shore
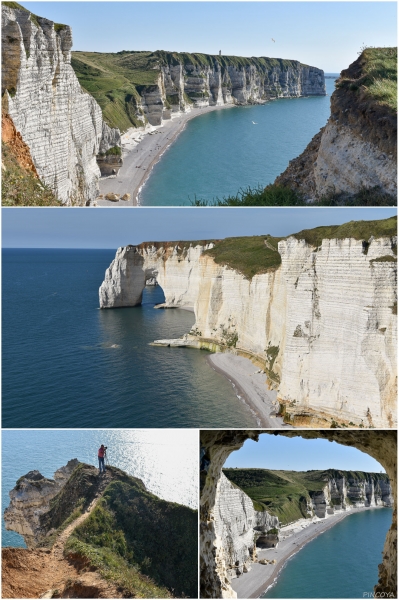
[(165, 461), (68, 364), (342, 562), (222, 152)]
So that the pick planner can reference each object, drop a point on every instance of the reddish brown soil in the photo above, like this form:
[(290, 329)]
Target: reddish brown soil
[(45, 573), (16, 145)]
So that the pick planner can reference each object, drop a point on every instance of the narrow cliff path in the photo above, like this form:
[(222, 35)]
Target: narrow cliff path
[(45, 573)]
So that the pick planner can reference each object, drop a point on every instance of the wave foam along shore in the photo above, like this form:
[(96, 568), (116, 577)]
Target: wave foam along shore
[(144, 149), (261, 577)]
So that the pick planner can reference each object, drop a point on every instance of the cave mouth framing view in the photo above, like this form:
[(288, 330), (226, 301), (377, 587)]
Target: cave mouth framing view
[(261, 505)]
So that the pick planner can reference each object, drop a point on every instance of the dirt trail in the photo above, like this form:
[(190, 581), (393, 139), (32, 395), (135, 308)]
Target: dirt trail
[(45, 573)]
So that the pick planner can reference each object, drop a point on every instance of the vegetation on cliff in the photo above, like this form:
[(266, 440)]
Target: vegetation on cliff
[(281, 195), (34, 18), (285, 494), (375, 75), (259, 254), (116, 80), (145, 545), (20, 187)]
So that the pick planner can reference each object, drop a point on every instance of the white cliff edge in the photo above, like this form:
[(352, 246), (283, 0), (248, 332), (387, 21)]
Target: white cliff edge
[(240, 530), (323, 323), (30, 498), (61, 124)]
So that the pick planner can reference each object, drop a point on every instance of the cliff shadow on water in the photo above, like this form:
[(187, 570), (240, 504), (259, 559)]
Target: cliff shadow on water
[(108, 524)]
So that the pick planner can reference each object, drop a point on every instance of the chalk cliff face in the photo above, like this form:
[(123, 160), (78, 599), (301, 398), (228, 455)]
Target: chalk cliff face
[(323, 323), (224, 80), (30, 499), (61, 124), (356, 149), (237, 526), (345, 490)]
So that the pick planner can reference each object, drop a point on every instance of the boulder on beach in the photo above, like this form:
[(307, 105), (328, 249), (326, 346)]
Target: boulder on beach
[(112, 197)]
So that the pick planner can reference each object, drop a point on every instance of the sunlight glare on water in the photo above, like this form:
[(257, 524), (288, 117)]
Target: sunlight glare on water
[(166, 460)]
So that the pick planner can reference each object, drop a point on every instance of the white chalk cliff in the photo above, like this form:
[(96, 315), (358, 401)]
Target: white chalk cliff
[(237, 526), (30, 498), (323, 323), (356, 149), (58, 120), (225, 80)]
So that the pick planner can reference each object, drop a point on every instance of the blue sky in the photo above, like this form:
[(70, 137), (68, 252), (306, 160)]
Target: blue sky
[(112, 228), (327, 35), (298, 454)]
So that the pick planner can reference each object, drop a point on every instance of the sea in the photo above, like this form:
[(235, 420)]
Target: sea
[(223, 151), (165, 460), (342, 562), (68, 364)]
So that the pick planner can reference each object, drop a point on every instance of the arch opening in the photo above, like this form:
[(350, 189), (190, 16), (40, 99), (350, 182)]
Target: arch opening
[(218, 445)]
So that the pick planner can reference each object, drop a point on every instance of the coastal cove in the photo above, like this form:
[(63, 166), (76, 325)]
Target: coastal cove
[(212, 152), (80, 366), (316, 562)]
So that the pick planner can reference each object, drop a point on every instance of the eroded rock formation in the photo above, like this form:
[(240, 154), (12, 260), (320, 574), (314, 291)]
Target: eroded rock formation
[(238, 525), (30, 499), (356, 149), (214, 560), (184, 83), (323, 324), (60, 123)]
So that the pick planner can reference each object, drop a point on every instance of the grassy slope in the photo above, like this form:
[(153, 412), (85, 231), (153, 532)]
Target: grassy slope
[(284, 493), (115, 79), (378, 77), (278, 195), (19, 187), (146, 545), (250, 255)]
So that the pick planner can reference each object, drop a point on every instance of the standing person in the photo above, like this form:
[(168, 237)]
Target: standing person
[(102, 451)]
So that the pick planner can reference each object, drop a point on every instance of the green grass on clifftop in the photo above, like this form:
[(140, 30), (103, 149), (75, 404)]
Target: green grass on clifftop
[(146, 545), (259, 254), (248, 255), (377, 77), (284, 493), (116, 80)]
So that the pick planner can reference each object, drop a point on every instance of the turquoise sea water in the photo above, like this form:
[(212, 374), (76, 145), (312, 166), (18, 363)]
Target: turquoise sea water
[(340, 563), (166, 461), (220, 152), (60, 368)]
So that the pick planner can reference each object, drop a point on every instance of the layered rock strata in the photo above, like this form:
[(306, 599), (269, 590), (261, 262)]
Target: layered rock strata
[(356, 149), (323, 323), (346, 491), (218, 445), (239, 529), (60, 123), (183, 84), (30, 499), (238, 525)]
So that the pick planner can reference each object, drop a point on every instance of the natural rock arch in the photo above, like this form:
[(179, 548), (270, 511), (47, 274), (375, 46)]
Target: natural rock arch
[(381, 445)]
